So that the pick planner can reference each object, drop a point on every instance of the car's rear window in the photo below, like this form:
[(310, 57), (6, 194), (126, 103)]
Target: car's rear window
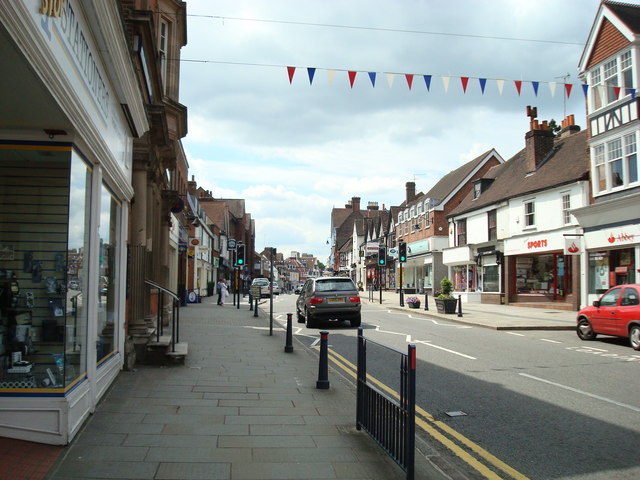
[(333, 285)]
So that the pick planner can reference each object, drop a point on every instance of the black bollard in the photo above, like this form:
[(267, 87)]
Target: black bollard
[(250, 302), (459, 305), (255, 309), (323, 371), (289, 342), (426, 301)]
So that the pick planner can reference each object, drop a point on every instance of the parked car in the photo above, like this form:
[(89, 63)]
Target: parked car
[(263, 283), (617, 313), (329, 298), (276, 288)]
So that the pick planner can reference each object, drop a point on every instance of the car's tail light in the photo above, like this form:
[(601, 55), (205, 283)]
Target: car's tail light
[(315, 301), (354, 299)]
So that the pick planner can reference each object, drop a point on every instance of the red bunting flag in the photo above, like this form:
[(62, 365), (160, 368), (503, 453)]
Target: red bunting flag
[(352, 77), (567, 88), (291, 71), (518, 85), (409, 78), (465, 81), (616, 90)]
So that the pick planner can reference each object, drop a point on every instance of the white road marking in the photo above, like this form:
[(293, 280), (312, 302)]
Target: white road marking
[(428, 343), (516, 334), (575, 390), (550, 341), (435, 322)]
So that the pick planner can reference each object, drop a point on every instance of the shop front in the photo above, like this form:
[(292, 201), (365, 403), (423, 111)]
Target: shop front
[(539, 271), (612, 258), (423, 266), (475, 272), (66, 194)]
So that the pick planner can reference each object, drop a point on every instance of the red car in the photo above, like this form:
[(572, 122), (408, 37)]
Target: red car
[(616, 313)]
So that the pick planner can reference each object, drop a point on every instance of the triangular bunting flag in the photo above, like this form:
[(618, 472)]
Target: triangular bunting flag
[(585, 89), (552, 88), (567, 88), (427, 81), (352, 77), (483, 84), (535, 87), (409, 78), (500, 85), (632, 92), (330, 76), (464, 81), (311, 72), (372, 77), (291, 71), (518, 86), (616, 90), (445, 83), (390, 78)]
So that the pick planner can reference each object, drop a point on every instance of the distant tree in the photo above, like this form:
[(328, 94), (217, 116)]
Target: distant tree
[(321, 266), (553, 126)]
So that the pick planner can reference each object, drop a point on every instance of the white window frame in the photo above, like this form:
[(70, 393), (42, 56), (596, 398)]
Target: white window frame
[(529, 215), (613, 72), (163, 47), (566, 208), (615, 164)]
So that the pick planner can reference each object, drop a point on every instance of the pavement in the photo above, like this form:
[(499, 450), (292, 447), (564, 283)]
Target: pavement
[(240, 407)]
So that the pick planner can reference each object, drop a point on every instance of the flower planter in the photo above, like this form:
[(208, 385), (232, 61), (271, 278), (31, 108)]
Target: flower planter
[(446, 305), (414, 305)]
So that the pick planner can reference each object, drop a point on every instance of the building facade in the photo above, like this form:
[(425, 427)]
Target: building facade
[(71, 109)]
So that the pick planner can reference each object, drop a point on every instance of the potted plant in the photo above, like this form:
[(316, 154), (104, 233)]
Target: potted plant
[(413, 302), (211, 285), (445, 302)]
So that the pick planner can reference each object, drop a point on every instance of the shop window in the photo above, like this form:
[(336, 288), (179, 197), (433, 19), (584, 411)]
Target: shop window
[(529, 214), (464, 278), (43, 256), (543, 274), (107, 275), (490, 278), (610, 268)]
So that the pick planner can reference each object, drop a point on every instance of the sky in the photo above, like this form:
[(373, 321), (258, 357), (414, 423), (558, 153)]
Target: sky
[(295, 150)]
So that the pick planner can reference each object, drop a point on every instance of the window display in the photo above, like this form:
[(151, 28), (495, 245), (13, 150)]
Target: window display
[(609, 268), (41, 309)]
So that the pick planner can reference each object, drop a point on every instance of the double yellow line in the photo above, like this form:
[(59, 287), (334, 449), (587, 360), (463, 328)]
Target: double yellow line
[(458, 444)]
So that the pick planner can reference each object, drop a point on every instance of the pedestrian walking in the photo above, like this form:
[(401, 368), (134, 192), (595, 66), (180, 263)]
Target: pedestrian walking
[(219, 290), (224, 292)]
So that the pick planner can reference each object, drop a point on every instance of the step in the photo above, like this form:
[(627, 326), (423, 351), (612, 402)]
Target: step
[(181, 350), (164, 342)]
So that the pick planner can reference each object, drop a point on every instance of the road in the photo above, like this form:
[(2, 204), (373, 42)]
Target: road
[(504, 404)]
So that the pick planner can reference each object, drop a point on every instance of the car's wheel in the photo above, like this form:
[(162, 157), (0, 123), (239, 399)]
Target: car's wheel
[(584, 330), (300, 316), (356, 322), (634, 337), (309, 320)]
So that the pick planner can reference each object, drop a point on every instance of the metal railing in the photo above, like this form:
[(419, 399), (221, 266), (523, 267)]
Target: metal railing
[(175, 314), (390, 422)]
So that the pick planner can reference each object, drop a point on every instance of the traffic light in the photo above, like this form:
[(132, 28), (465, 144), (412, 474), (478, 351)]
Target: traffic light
[(382, 256), (240, 255), (402, 251)]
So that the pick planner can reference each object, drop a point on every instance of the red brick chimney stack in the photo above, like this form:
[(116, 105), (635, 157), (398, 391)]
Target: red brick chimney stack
[(538, 140), (411, 191)]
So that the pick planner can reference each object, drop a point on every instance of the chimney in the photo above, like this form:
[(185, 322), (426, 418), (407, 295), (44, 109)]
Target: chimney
[(569, 127), (355, 204), (538, 141), (411, 191), (372, 206)]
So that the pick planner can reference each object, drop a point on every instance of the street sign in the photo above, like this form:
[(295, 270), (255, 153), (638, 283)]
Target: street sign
[(231, 244)]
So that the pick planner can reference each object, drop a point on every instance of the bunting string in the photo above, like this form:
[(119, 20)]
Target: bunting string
[(464, 82)]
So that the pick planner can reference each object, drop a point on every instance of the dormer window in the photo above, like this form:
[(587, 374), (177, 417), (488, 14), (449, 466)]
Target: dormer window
[(477, 189)]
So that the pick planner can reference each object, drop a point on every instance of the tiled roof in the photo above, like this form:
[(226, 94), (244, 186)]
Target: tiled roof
[(568, 163), (629, 14)]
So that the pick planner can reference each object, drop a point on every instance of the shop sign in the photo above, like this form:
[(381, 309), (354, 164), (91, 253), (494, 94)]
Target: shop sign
[(420, 246), (613, 237), (572, 246), (182, 247), (518, 246)]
